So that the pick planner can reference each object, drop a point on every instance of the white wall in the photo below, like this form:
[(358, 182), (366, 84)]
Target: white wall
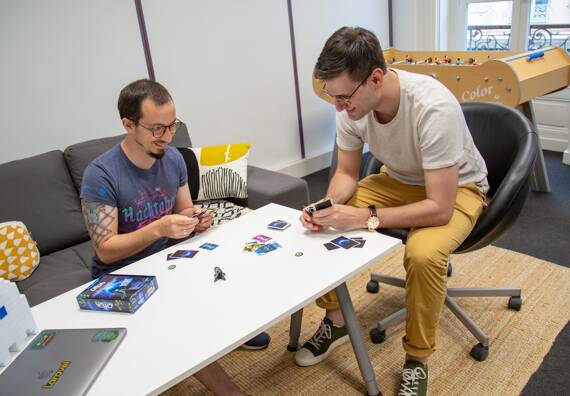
[(315, 22), (227, 64), (404, 24), (62, 65)]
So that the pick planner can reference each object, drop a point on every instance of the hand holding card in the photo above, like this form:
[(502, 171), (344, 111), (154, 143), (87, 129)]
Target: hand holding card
[(322, 204)]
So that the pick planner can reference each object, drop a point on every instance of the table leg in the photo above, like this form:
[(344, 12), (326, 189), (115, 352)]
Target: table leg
[(356, 339), (295, 330)]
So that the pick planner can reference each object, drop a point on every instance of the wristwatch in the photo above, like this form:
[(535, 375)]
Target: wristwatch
[(373, 221)]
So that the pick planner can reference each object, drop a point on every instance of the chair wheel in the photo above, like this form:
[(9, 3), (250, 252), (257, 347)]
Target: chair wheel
[(515, 303), (377, 336), (372, 287), (449, 270), (480, 352)]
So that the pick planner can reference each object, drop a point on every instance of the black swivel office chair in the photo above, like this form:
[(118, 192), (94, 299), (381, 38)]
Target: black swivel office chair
[(509, 144)]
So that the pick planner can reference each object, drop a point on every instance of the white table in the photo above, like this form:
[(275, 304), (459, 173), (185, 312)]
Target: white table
[(190, 321)]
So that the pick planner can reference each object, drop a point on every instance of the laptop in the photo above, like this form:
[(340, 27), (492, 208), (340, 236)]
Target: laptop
[(62, 362)]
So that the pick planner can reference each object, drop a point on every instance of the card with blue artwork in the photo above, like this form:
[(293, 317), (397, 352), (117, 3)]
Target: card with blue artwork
[(208, 246)]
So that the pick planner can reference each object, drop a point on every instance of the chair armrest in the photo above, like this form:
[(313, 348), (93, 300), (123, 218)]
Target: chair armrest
[(265, 186)]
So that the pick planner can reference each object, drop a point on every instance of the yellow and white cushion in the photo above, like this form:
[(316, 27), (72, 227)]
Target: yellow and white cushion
[(19, 255)]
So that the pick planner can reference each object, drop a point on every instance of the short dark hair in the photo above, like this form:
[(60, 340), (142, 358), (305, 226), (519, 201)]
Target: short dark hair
[(352, 49), (132, 96)]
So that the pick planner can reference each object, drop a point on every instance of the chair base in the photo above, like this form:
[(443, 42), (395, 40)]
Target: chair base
[(479, 351)]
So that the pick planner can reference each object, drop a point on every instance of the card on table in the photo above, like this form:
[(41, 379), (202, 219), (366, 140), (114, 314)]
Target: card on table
[(184, 254), (278, 225), (344, 242), (251, 246), (261, 238), (361, 243), (267, 248), (330, 246), (208, 246)]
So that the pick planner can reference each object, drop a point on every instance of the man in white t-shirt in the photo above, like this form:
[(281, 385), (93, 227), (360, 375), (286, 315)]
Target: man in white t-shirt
[(433, 181)]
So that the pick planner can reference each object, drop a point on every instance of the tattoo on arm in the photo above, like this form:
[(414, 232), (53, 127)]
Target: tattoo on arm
[(98, 219)]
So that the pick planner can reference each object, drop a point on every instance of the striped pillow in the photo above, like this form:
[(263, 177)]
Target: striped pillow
[(222, 171)]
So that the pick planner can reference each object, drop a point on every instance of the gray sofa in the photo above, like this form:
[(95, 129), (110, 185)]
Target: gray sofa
[(42, 192)]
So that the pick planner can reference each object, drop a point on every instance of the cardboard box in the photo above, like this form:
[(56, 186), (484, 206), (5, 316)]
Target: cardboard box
[(119, 293)]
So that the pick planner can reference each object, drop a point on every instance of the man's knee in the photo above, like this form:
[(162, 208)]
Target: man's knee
[(423, 259)]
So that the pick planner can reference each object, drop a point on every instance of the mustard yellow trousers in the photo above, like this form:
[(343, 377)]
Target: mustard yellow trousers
[(426, 254)]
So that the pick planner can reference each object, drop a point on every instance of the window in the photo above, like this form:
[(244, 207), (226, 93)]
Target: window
[(549, 24), (491, 26)]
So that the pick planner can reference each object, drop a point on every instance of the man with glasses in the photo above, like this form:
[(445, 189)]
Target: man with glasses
[(433, 181), (135, 197)]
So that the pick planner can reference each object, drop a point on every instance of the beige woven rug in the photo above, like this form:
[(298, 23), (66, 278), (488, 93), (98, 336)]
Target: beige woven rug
[(519, 340)]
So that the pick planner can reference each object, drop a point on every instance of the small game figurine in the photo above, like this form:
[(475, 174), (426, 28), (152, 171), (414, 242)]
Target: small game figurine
[(219, 274)]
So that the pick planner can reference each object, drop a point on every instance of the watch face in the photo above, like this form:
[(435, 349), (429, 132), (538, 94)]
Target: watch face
[(373, 223)]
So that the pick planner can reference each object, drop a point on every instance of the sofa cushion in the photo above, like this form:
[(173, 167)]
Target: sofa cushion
[(79, 155), (58, 272), (39, 192)]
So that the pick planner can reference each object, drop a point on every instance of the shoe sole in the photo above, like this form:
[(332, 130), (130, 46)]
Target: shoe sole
[(320, 358), (254, 348)]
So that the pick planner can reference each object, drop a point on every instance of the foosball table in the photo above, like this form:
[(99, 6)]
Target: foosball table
[(512, 78)]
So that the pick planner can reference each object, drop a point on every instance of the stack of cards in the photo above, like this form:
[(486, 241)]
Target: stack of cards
[(260, 245), (345, 243), (181, 254), (278, 225)]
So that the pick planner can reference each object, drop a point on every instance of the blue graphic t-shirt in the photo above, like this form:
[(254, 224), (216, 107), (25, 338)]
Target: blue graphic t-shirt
[(141, 196)]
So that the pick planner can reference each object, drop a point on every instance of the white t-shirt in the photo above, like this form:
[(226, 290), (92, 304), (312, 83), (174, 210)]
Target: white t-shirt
[(428, 132)]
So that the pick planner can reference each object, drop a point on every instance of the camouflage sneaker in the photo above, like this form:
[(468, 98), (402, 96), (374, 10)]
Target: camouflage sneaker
[(327, 337), (414, 379)]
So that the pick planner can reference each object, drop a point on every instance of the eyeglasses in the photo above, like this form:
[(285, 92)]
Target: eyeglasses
[(344, 99), (159, 131)]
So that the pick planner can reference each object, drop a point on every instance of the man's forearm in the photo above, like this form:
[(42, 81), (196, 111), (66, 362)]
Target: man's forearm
[(425, 213), (341, 188), (122, 246)]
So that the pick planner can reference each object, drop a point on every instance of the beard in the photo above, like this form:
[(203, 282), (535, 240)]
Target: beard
[(149, 152)]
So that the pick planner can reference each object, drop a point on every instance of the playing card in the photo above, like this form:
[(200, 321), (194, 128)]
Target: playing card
[(251, 246), (344, 242), (184, 254), (361, 243), (208, 246), (330, 246), (278, 225), (267, 248), (169, 257), (261, 238)]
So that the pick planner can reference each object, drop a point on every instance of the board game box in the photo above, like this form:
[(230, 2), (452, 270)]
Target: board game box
[(119, 293)]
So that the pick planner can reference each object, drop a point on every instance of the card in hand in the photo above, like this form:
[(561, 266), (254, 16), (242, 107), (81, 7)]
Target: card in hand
[(184, 254), (200, 214), (322, 204), (344, 242), (278, 225)]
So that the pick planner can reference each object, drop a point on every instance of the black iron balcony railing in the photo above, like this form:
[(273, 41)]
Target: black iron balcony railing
[(498, 37)]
